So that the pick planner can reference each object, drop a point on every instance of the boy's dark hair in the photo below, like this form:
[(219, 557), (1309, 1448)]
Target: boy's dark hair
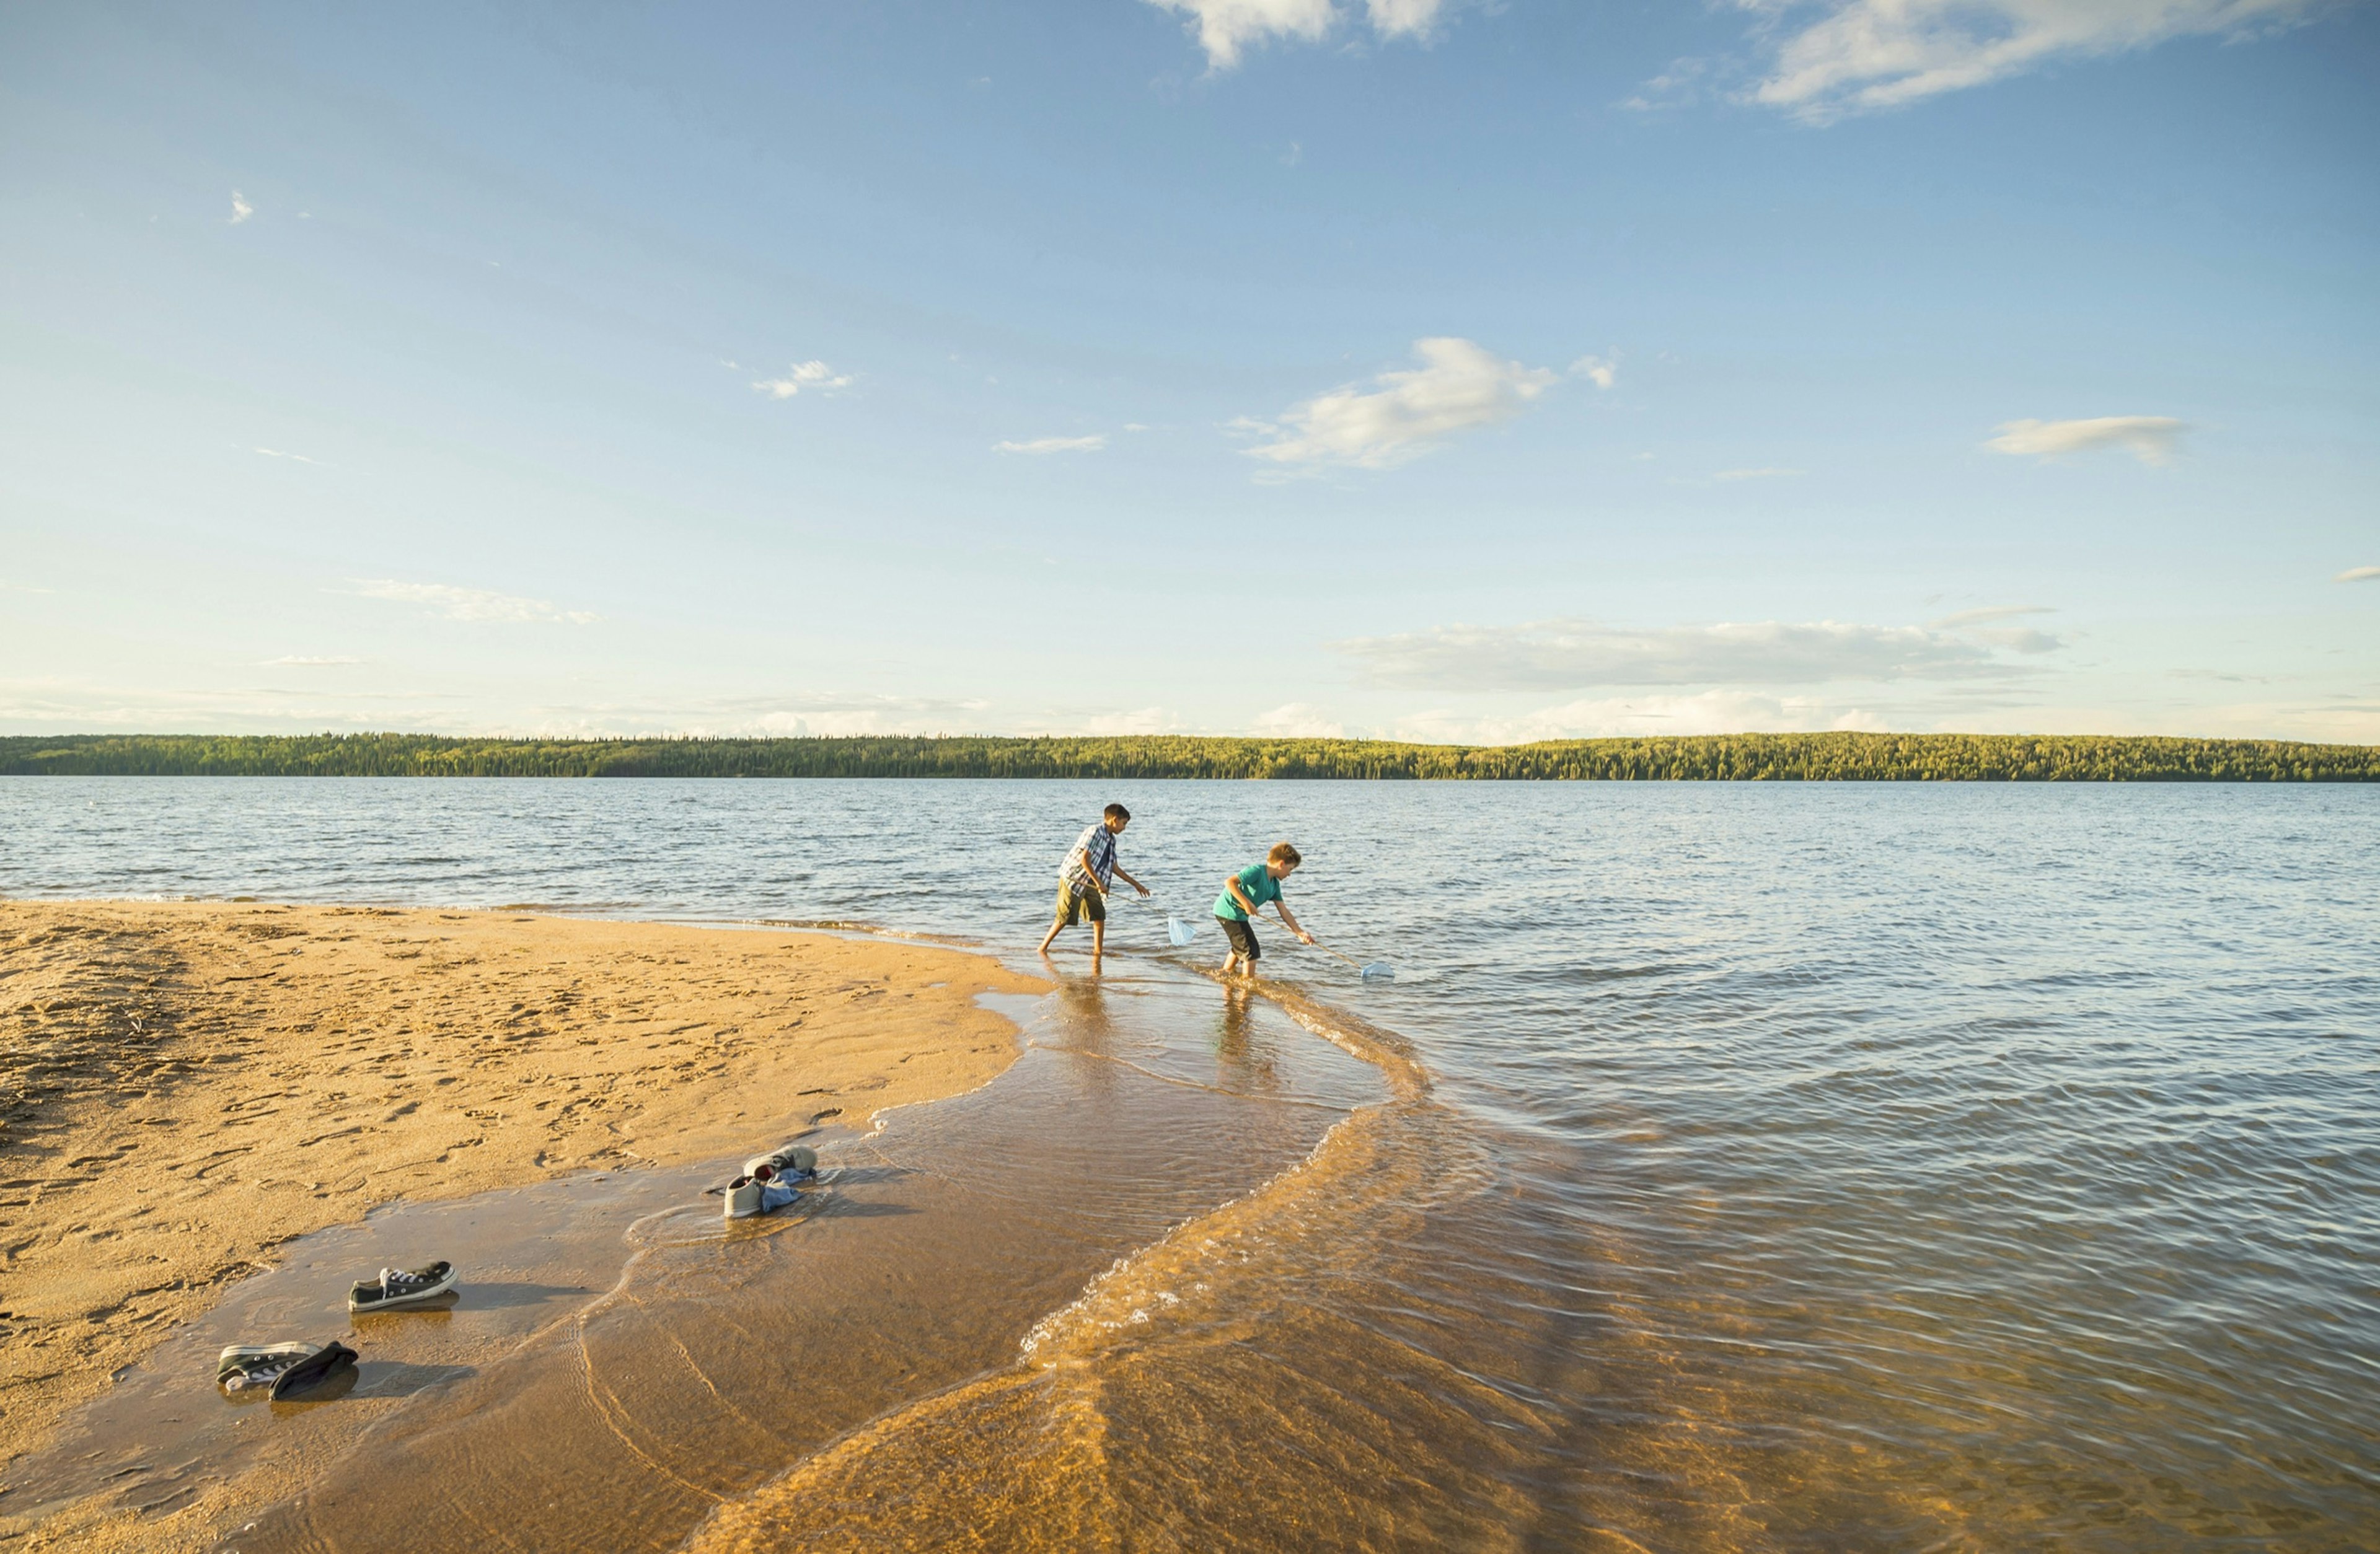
[(1283, 853), (1117, 812)]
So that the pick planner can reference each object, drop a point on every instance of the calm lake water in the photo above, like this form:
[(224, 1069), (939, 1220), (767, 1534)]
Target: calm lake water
[(1777, 1167)]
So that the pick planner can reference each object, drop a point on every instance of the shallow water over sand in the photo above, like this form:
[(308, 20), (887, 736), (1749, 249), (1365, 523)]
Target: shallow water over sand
[(1891, 1167)]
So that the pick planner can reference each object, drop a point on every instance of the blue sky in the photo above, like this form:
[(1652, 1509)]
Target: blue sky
[(1434, 370)]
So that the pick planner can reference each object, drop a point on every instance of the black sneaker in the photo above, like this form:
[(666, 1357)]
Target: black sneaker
[(244, 1366), (313, 1371), (397, 1287)]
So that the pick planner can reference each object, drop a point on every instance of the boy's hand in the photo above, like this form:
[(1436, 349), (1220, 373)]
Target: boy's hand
[(1304, 937), (1142, 888)]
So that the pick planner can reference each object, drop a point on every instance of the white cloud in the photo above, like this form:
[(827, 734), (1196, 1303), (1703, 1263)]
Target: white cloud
[(1772, 472), (241, 208), (276, 452), (1992, 613), (1138, 719), (1858, 55), (1403, 18), (300, 660), (803, 375), (2358, 575), (1460, 386), (1600, 371), (472, 604), (2022, 640), (1054, 446), (2149, 439), (808, 715), (1713, 712), (1561, 654), (1297, 720), (1226, 28)]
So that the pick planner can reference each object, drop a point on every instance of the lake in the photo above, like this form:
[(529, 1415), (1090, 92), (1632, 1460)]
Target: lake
[(1758, 1166)]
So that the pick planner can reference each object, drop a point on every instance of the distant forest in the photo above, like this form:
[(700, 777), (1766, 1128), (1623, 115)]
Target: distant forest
[(1872, 758)]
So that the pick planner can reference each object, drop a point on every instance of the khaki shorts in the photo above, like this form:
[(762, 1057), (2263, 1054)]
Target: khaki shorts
[(1080, 905)]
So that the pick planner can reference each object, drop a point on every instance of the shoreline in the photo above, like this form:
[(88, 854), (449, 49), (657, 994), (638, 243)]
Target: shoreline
[(193, 1085)]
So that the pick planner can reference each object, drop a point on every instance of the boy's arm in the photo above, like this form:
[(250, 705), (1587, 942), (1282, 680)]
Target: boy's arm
[(1081, 860), (1290, 918), (1128, 879), (1238, 892)]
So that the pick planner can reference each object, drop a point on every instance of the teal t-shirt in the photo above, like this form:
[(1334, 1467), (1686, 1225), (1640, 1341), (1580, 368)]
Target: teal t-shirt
[(1260, 887)]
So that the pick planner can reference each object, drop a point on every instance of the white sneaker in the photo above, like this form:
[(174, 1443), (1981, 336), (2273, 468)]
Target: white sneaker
[(744, 1197), (792, 1159)]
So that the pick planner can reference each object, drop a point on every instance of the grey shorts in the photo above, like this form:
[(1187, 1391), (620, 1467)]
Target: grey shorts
[(1243, 937)]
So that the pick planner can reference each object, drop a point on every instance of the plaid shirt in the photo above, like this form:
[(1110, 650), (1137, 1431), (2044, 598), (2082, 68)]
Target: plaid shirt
[(1095, 847)]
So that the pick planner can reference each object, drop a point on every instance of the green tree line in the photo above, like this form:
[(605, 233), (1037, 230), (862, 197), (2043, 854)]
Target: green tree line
[(1880, 758)]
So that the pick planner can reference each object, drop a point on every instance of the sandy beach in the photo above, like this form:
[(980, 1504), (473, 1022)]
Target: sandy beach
[(191, 1085)]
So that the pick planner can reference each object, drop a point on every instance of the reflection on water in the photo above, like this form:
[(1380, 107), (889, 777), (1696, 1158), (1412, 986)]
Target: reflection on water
[(1736, 1168)]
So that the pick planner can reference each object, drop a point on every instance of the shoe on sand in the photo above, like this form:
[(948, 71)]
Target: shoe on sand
[(243, 1366), (792, 1159), (311, 1371), (744, 1197), (397, 1287)]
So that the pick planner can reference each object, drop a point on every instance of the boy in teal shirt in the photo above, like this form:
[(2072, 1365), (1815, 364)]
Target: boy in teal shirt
[(1246, 891)]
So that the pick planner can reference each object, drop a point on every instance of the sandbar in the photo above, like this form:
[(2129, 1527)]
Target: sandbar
[(186, 1086)]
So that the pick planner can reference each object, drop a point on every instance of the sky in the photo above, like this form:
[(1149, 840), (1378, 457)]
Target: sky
[(1406, 369)]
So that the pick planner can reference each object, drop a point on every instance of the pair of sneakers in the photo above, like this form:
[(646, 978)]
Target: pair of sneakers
[(290, 1370), (769, 1182)]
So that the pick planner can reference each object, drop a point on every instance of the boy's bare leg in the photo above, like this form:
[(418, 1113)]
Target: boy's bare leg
[(1098, 945), (1048, 938)]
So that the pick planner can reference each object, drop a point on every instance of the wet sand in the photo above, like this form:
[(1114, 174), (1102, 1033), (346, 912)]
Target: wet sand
[(192, 1086)]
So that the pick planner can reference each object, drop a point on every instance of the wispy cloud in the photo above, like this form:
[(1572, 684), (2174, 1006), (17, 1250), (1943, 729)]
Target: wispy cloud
[(1771, 472), (1711, 711), (241, 208), (1989, 613), (1225, 29), (1297, 720), (1567, 654), (814, 375), (2149, 439), (2358, 575), (1054, 445), (473, 605), (301, 660), (803, 714), (1459, 386), (1859, 55), (279, 453), (1601, 371)]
